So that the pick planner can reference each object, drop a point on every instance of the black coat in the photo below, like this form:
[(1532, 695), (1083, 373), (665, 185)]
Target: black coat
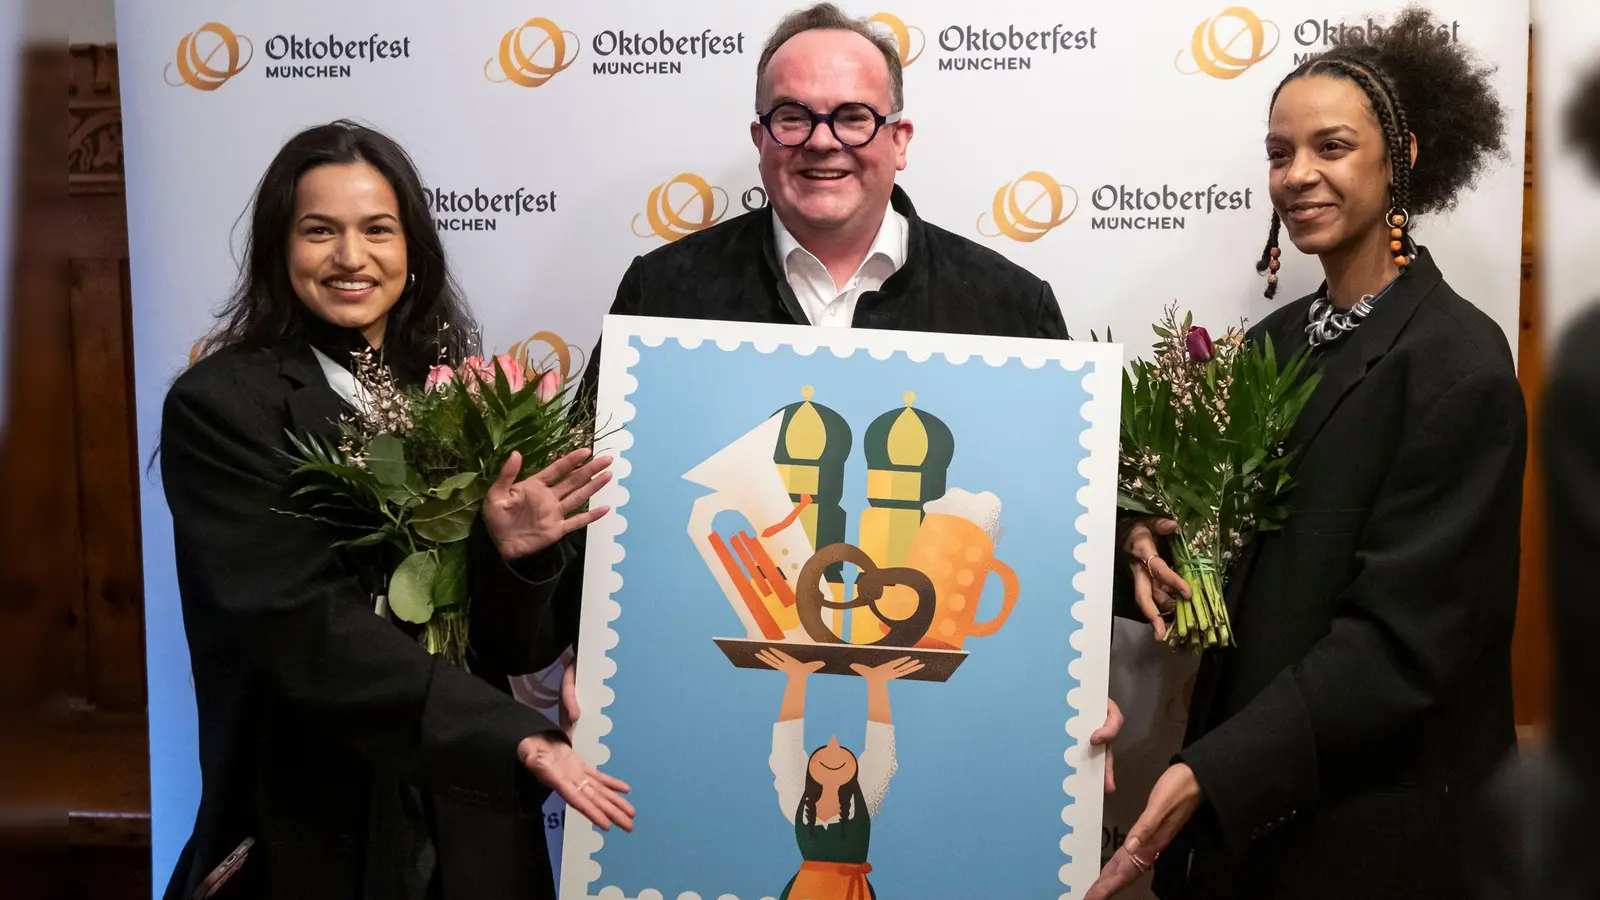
[(1343, 743), (311, 707), (1572, 469), (948, 284)]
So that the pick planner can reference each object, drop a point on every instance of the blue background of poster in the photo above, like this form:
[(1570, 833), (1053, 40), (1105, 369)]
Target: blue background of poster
[(976, 806)]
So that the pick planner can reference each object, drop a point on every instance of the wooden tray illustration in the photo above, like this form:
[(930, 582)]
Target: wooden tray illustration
[(937, 665)]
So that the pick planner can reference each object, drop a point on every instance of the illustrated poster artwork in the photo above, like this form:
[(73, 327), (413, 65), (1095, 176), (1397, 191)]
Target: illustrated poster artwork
[(846, 631)]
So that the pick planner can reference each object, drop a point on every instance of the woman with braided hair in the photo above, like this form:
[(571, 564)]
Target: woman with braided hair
[(1339, 750)]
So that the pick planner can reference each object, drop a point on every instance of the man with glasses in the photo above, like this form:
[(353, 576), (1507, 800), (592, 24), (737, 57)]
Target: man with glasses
[(842, 244)]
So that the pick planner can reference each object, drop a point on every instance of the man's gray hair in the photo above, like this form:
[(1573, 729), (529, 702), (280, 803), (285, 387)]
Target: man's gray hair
[(828, 16)]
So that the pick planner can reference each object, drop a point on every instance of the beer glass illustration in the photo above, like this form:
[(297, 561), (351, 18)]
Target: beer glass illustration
[(955, 548)]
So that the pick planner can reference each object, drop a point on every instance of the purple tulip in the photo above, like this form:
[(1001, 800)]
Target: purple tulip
[(1199, 343)]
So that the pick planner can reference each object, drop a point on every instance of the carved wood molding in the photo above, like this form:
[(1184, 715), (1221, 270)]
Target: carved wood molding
[(94, 120)]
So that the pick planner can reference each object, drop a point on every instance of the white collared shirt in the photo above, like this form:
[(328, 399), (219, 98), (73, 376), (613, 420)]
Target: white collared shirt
[(825, 303)]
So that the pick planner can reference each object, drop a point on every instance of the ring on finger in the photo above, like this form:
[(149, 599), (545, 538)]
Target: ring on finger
[(1138, 862), (583, 784), (1147, 562)]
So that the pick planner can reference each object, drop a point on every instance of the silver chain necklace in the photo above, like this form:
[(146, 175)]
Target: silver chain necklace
[(1329, 322)]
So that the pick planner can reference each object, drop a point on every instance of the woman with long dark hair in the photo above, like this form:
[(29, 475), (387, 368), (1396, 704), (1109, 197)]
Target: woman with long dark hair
[(1340, 748), (339, 759), (830, 795)]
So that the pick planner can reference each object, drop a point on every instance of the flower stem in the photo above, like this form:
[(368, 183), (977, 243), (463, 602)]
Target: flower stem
[(448, 636), (1202, 620)]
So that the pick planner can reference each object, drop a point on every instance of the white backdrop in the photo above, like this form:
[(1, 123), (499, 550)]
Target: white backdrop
[(1100, 119), (1569, 48)]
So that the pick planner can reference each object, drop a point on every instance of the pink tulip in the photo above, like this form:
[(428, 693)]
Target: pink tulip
[(549, 386), (514, 377), (474, 369), (439, 377), (1198, 341)]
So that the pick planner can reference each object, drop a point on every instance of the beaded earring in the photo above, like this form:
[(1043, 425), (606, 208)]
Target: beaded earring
[(1398, 219)]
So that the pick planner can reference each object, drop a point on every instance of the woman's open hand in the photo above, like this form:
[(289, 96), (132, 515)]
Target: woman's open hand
[(527, 516), (586, 789)]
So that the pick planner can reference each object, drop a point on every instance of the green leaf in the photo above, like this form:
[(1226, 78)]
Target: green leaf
[(448, 521), (450, 587), (443, 528), (474, 433), (1128, 501), (314, 518), (1255, 460), (411, 588), (386, 460), (454, 483), (369, 540)]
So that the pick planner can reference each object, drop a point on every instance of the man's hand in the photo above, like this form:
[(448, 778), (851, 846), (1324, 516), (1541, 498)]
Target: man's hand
[(1172, 802), (1104, 736), (586, 789), (1156, 587)]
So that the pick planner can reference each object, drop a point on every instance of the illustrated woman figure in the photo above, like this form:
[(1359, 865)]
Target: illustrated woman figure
[(830, 795)]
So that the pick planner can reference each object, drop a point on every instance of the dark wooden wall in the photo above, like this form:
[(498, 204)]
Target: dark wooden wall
[(69, 525), (1531, 647), (69, 529)]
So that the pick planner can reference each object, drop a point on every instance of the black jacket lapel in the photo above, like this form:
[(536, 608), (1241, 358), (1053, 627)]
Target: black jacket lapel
[(314, 407), (780, 276), (885, 307), (1368, 344)]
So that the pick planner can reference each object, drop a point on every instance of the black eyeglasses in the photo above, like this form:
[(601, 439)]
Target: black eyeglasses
[(852, 124)]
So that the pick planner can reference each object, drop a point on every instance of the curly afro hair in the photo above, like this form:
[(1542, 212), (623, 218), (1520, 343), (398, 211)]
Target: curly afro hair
[(1417, 83), (1583, 120)]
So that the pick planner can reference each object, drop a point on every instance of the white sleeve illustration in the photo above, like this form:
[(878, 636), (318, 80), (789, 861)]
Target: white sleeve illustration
[(877, 765), (788, 763)]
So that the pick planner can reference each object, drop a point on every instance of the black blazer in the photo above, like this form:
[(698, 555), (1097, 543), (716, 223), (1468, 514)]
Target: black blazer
[(948, 284), (1572, 468), (1341, 744), (310, 704)]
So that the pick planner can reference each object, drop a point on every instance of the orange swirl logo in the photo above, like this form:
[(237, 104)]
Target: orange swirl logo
[(680, 207), (197, 64), (532, 68), (1013, 210), (1212, 49), (902, 36), (561, 357)]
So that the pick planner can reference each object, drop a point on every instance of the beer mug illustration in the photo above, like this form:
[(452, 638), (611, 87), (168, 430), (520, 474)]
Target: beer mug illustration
[(955, 549)]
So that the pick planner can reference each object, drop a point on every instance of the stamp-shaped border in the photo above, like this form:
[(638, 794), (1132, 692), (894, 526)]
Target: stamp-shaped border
[(1101, 365)]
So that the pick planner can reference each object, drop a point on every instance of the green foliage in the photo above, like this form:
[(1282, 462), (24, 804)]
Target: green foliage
[(410, 475), (1202, 443)]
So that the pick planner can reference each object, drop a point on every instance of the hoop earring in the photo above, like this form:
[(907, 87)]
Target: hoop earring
[(411, 281), (1398, 220)]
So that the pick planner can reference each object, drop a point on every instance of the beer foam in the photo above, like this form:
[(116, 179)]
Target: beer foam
[(982, 510)]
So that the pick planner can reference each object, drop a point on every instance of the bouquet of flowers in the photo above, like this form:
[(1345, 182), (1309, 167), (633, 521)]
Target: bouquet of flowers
[(412, 468), (1203, 426)]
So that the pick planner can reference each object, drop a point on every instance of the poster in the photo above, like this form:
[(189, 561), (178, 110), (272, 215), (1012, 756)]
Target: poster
[(846, 629)]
